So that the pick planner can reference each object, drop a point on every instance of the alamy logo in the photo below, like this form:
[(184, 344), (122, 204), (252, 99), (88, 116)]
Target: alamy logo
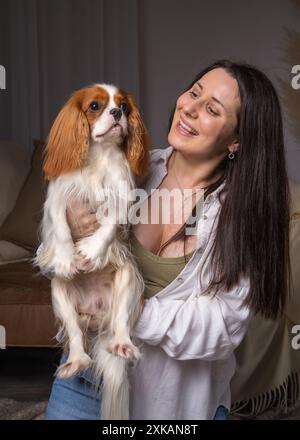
[(296, 78), (2, 337), (2, 78), (296, 339)]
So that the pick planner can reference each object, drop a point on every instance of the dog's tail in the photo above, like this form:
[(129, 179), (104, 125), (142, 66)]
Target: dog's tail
[(112, 380)]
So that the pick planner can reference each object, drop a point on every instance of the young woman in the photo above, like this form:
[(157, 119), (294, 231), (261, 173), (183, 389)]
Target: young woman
[(201, 290)]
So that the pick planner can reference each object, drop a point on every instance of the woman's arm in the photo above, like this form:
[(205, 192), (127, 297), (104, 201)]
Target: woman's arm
[(203, 327)]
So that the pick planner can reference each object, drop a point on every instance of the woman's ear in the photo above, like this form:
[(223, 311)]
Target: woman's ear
[(234, 146), (68, 140), (137, 143)]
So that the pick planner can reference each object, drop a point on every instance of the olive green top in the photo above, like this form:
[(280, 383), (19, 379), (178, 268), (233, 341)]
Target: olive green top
[(156, 271)]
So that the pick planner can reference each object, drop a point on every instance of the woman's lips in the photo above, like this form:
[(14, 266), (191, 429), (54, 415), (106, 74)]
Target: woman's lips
[(184, 131)]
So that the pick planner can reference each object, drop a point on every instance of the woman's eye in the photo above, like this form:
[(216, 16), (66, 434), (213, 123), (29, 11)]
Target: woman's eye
[(124, 107), (193, 94), (94, 106), (212, 111)]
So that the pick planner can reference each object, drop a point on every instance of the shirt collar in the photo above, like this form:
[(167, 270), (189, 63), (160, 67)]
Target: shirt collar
[(166, 153)]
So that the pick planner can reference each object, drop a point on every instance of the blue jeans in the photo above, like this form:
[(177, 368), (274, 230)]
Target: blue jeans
[(74, 399), (77, 399)]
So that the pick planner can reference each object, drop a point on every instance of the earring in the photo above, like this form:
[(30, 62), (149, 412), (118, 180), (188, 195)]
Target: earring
[(231, 155)]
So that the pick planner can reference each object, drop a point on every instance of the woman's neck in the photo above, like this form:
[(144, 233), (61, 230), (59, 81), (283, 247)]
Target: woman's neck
[(191, 173)]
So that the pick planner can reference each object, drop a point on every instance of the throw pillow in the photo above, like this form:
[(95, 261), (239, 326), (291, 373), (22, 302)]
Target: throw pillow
[(21, 227), (14, 167)]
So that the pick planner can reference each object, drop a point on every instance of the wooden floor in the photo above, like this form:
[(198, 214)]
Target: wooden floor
[(27, 373)]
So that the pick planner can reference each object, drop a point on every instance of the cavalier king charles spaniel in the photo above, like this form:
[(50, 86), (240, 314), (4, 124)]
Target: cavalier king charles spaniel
[(98, 141)]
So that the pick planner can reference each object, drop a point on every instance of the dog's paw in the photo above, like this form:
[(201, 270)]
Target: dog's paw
[(73, 365), (125, 349), (83, 265), (65, 268), (89, 255)]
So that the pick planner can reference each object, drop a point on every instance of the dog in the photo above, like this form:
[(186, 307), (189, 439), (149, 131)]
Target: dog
[(97, 141)]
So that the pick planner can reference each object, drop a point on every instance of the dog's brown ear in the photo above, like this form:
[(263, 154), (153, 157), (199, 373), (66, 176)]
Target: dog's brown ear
[(137, 142), (68, 140)]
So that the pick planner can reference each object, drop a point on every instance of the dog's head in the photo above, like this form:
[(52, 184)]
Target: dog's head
[(100, 114)]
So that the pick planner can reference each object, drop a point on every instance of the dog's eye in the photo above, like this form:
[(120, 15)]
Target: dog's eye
[(124, 107), (94, 106)]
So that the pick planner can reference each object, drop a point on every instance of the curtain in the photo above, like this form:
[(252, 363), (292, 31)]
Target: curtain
[(51, 48)]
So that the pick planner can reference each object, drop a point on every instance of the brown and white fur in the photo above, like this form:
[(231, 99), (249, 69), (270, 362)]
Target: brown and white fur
[(97, 140)]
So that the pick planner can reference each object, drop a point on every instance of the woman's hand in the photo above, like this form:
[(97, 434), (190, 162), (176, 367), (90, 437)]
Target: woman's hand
[(82, 221)]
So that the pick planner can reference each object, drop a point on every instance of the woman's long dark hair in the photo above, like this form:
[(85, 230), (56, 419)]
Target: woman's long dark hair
[(252, 235)]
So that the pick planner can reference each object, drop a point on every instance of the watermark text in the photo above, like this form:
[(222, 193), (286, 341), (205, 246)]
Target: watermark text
[(296, 339), (123, 205), (2, 337), (2, 77), (296, 79)]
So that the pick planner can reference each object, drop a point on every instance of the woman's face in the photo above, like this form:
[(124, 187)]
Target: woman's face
[(205, 118)]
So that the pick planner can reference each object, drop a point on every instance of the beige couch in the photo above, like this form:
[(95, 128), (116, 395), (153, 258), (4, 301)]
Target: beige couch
[(25, 296), (25, 299), (293, 309)]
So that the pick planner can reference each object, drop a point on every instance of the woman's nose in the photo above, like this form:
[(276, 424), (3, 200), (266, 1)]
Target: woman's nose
[(190, 109)]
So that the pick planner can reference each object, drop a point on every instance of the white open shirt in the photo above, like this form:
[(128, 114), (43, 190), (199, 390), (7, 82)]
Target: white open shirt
[(188, 339)]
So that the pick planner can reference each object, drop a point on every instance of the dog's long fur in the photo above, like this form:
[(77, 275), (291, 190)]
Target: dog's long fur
[(88, 150)]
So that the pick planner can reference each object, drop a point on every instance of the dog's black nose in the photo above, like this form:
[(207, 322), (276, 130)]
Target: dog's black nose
[(117, 114)]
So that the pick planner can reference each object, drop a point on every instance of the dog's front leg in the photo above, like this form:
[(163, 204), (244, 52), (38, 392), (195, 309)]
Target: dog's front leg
[(57, 238), (64, 309), (94, 248), (111, 214)]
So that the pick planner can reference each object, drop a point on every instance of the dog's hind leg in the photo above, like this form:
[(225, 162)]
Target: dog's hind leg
[(64, 309), (128, 288)]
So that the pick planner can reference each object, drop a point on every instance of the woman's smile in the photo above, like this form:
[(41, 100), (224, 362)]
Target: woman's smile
[(185, 129)]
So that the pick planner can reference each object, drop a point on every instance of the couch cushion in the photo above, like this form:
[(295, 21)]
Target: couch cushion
[(293, 309), (10, 252), (25, 306), (21, 225), (14, 167), (295, 198), (22, 283)]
